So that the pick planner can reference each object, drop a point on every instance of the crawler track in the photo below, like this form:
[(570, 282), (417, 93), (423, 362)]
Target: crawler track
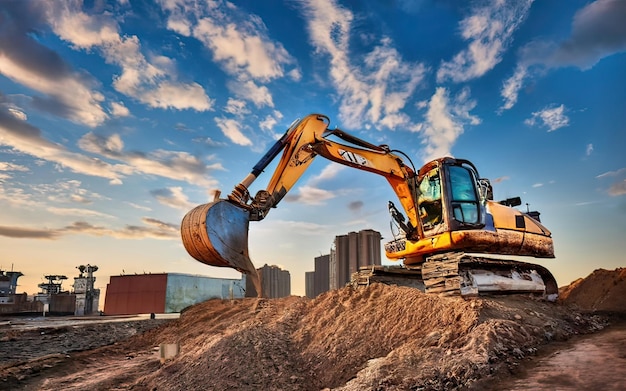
[(457, 273)]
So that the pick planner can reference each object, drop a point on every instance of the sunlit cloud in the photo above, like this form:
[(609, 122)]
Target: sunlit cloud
[(151, 229), (119, 110), (232, 129), (177, 165), (137, 206), (239, 43), (330, 171), (77, 212), (445, 121), (500, 179), (618, 187), (310, 195), (25, 138), (552, 118), (489, 30), (376, 90), (172, 197), (63, 91), (151, 81)]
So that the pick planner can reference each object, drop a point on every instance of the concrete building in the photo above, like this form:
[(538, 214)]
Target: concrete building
[(320, 280), (166, 292), (275, 283), (309, 284), (350, 252), (322, 274)]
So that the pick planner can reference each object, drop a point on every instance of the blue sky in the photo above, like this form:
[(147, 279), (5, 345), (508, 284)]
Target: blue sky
[(117, 117)]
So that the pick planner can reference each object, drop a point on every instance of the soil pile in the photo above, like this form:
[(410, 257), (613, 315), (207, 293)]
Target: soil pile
[(603, 290), (379, 337)]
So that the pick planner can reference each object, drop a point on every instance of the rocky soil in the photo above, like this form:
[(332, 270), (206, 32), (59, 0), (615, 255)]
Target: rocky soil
[(376, 338)]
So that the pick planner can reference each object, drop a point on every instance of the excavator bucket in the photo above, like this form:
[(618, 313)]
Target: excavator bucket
[(216, 234)]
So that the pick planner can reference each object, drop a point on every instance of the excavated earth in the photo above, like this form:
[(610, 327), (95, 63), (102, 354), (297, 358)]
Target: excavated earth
[(375, 338)]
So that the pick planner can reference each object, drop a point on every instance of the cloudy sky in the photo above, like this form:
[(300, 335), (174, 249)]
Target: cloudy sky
[(117, 117)]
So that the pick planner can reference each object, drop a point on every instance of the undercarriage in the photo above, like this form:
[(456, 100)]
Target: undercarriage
[(461, 274)]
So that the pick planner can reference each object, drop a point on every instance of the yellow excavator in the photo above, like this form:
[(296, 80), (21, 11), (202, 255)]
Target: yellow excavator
[(450, 220)]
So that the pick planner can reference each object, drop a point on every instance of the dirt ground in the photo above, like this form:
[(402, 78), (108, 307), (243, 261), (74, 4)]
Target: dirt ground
[(376, 338)]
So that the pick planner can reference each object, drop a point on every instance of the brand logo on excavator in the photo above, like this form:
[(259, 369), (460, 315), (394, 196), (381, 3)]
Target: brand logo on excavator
[(353, 158)]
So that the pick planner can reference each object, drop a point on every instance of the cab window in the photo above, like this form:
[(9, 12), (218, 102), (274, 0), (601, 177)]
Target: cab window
[(464, 202), (429, 201)]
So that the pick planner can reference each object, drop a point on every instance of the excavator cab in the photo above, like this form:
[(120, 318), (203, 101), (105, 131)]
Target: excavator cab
[(450, 197)]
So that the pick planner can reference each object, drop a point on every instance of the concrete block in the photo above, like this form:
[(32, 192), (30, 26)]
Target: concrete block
[(168, 351)]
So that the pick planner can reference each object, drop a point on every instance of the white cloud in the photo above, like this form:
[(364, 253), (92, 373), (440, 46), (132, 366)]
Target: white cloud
[(27, 139), (511, 86), (378, 90), (249, 90), (270, 121), (175, 165), (137, 206), (239, 42), (489, 30), (151, 82), (553, 118), (598, 31), (621, 171), (310, 195), (589, 150), (231, 129), (119, 110), (67, 93), (329, 172), (445, 121), (76, 212), (6, 166), (173, 197), (236, 107)]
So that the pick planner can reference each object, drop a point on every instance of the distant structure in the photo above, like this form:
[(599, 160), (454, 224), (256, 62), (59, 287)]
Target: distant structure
[(87, 297), (350, 252), (275, 283), (8, 284), (319, 280), (166, 292), (52, 299), (309, 284)]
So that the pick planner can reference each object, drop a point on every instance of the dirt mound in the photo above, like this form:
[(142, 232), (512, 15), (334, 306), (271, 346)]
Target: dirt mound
[(602, 290), (379, 337)]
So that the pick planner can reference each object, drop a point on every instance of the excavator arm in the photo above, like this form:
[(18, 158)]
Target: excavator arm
[(305, 140)]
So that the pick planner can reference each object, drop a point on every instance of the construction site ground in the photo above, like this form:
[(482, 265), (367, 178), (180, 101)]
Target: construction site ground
[(375, 338)]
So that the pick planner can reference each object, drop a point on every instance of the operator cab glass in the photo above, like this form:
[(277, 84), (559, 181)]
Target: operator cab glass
[(429, 201), (464, 200)]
